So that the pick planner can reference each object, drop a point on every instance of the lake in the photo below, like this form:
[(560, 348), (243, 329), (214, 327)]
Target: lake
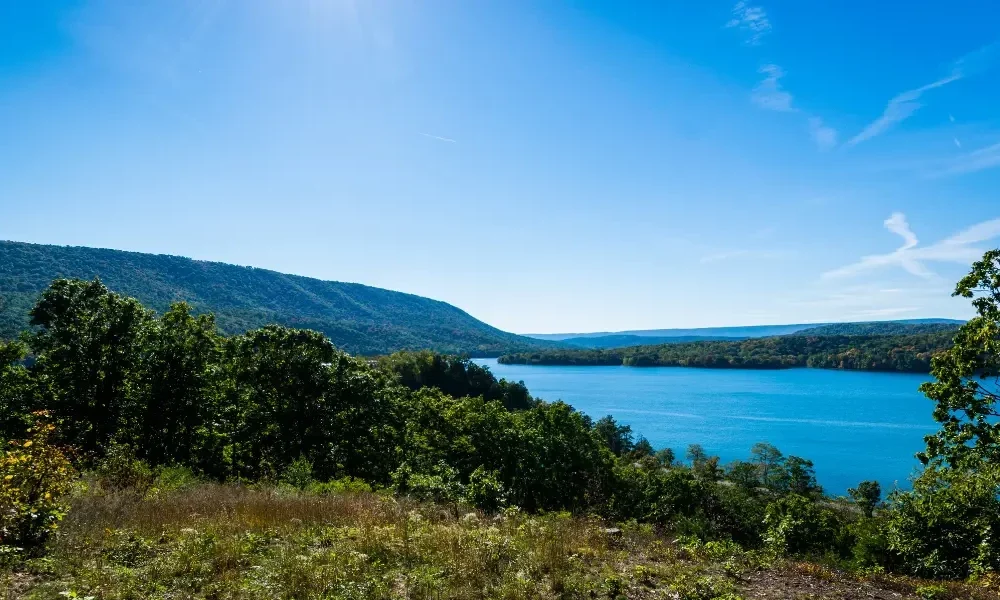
[(853, 425)]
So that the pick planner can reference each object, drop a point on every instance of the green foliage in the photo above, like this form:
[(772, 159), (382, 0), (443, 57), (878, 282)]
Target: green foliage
[(908, 353), (946, 527), (88, 346), (157, 403), (964, 387), (881, 328), (15, 391), (867, 496), (617, 438), (121, 469), (485, 490), (298, 474), (455, 376), (35, 477), (357, 318), (800, 527)]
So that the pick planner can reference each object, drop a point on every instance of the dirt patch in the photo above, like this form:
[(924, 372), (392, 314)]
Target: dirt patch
[(773, 585)]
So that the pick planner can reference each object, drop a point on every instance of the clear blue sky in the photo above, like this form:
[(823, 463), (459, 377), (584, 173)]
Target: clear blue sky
[(546, 166)]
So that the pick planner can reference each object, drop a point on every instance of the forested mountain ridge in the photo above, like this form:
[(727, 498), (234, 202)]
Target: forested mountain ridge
[(607, 338), (357, 318), (906, 353)]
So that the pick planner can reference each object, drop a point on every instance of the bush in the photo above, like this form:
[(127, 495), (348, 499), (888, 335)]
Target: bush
[(121, 470), (34, 479), (796, 526), (441, 485), (299, 474), (946, 527), (344, 485), (485, 490)]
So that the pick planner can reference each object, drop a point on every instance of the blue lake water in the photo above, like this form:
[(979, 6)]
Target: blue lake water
[(852, 425)]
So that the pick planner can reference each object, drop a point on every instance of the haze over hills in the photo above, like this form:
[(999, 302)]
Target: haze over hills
[(671, 336), (357, 318)]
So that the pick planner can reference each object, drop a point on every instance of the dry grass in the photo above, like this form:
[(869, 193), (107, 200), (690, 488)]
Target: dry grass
[(223, 541)]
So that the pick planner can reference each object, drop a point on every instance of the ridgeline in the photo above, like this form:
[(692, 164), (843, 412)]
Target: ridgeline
[(905, 352), (357, 318)]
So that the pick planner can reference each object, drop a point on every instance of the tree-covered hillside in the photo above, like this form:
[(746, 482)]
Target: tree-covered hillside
[(357, 318), (909, 353), (883, 328)]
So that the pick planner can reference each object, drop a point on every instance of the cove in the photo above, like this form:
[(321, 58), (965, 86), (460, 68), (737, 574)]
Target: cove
[(853, 425)]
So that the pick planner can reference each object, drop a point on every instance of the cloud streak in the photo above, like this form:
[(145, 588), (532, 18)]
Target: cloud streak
[(742, 254), (970, 162), (769, 94), (911, 256), (900, 108), (906, 104), (824, 136), (751, 20), (438, 138)]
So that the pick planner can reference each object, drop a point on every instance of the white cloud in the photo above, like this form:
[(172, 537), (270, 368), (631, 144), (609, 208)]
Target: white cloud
[(824, 136), (438, 138), (769, 94), (970, 162), (958, 144), (899, 109), (904, 105), (743, 254), (911, 256), (752, 20)]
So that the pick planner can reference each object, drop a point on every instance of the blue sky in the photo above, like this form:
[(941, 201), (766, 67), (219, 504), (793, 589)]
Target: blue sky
[(546, 166)]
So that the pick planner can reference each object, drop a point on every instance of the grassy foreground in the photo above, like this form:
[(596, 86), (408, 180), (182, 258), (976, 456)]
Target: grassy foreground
[(230, 541)]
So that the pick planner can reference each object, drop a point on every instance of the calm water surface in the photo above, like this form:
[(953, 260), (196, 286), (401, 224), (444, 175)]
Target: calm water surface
[(852, 425)]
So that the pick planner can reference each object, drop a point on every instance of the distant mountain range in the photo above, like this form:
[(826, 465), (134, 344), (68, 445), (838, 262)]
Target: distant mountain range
[(357, 318), (650, 337)]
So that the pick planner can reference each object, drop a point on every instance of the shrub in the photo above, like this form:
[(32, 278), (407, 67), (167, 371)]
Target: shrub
[(344, 485), (485, 490), (440, 485), (120, 470), (298, 474), (35, 476), (797, 526), (946, 526)]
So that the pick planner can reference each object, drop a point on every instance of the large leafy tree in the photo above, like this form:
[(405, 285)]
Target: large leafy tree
[(280, 379), (15, 390), (180, 386), (947, 525), (965, 385), (89, 347)]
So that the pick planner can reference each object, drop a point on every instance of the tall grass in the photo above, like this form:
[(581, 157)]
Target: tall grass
[(230, 541)]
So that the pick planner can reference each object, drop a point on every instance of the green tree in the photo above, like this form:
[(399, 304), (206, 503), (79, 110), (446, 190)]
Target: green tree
[(618, 438), (16, 391), (797, 476), (964, 386), (945, 527), (181, 389), (696, 454), (280, 380), (89, 346), (867, 496), (768, 460)]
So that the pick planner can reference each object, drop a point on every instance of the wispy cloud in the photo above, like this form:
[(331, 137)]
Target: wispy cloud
[(769, 94), (899, 109), (904, 105), (752, 20), (970, 162), (438, 138), (742, 254), (824, 135), (911, 256)]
